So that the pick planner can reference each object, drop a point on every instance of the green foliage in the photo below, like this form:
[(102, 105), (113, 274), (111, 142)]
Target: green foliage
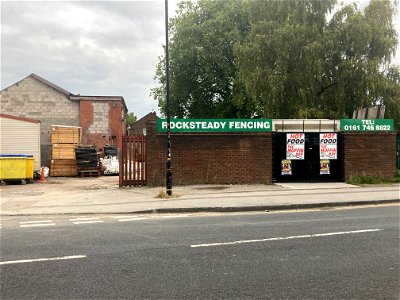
[(202, 67), (130, 120), (280, 59), (281, 62), (365, 179), (390, 87), (296, 63)]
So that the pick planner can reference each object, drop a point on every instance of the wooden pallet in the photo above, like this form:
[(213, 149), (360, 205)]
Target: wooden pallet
[(63, 167), (89, 173)]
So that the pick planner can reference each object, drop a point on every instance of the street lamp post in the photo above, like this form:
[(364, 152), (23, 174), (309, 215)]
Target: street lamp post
[(169, 162)]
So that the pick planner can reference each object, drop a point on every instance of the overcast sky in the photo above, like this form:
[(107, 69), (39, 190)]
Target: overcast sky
[(89, 48)]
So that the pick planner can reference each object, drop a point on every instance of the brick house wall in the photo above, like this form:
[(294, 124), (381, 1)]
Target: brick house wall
[(34, 97), (246, 158), (371, 154), (116, 123), (31, 98), (101, 120), (199, 158), (139, 127)]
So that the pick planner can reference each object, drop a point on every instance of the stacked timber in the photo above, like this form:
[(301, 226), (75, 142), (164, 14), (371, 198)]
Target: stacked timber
[(64, 139), (87, 161)]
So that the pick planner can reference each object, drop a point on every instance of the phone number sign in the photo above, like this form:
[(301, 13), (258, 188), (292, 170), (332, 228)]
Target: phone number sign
[(366, 125)]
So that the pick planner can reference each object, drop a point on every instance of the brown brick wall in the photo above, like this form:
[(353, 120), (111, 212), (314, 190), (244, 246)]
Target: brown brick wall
[(210, 158), (99, 140), (100, 133), (85, 114), (247, 158), (370, 154), (139, 126), (115, 122)]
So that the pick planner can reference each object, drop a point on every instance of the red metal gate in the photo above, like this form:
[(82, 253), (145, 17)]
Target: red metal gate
[(132, 166)]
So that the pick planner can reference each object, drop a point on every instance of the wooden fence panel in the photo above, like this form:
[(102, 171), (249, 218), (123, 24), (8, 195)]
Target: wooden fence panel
[(132, 166)]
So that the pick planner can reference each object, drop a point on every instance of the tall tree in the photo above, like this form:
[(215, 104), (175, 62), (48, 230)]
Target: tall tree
[(296, 63), (130, 120), (202, 66), (390, 91), (280, 59), (365, 42)]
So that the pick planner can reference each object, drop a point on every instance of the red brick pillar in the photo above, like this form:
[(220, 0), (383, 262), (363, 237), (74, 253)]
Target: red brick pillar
[(156, 155)]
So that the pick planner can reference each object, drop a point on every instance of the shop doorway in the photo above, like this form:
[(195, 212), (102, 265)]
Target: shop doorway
[(299, 157)]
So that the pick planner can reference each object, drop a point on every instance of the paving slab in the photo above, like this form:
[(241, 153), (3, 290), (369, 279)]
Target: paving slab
[(316, 185), (102, 195)]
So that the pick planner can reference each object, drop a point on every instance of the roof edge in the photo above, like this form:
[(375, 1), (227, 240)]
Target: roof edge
[(44, 81), (100, 98), (18, 118), (50, 84), (69, 94)]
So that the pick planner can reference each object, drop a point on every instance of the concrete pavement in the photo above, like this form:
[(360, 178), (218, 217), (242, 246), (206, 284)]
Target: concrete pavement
[(102, 195)]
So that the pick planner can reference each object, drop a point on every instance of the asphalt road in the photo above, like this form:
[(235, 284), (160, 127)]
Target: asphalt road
[(330, 254)]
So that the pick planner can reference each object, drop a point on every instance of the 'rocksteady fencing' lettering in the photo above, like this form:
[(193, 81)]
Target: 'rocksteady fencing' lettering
[(215, 125)]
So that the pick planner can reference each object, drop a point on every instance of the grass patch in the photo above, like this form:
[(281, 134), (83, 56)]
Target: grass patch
[(360, 180), (162, 194)]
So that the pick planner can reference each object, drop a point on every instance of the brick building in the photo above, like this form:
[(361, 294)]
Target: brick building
[(101, 117), (260, 157), (139, 127)]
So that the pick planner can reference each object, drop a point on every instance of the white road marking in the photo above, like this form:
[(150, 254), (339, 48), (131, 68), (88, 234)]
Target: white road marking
[(284, 238), (22, 261), (37, 225), (346, 232), (127, 216), (175, 216), (88, 222), (34, 222), (83, 219), (131, 219)]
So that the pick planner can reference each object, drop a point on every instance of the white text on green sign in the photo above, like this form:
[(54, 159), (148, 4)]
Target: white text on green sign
[(366, 125), (215, 125)]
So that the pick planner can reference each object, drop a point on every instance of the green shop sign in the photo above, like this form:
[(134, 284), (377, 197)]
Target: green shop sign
[(366, 125), (216, 125)]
